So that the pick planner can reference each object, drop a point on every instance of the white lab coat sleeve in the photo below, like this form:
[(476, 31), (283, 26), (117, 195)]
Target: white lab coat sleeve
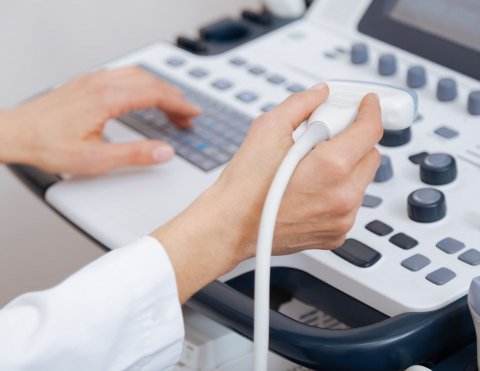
[(120, 312)]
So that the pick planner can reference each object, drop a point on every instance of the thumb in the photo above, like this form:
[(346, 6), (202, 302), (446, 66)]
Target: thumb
[(111, 156)]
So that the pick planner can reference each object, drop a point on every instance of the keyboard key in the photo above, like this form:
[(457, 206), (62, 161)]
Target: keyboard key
[(276, 79), (416, 262), (441, 276), (198, 73), (237, 61), (268, 107), (471, 257), (450, 245), (379, 228), (403, 241), (247, 96), (296, 88), (222, 84), (371, 201), (175, 61), (446, 132), (357, 253), (257, 70)]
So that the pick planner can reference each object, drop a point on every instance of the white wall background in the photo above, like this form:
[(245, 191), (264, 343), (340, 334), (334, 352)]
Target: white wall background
[(43, 42)]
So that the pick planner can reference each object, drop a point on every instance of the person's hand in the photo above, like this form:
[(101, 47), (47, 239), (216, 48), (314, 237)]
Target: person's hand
[(220, 229), (62, 131)]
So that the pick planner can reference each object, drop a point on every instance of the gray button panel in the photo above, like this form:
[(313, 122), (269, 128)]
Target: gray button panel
[(441, 276), (416, 262), (450, 245)]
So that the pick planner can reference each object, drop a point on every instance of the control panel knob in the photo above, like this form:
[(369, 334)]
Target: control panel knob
[(446, 90), (438, 169), (387, 65), (385, 170), (416, 77), (359, 53), (474, 103), (426, 205), (396, 138)]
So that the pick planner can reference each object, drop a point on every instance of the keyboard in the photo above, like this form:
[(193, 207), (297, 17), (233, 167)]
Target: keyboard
[(210, 143)]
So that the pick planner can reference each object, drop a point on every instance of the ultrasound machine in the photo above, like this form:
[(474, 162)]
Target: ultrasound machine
[(395, 294)]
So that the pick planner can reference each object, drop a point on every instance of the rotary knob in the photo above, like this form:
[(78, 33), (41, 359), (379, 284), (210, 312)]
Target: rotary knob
[(359, 53), (387, 65), (416, 77), (426, 205), (396, 138), (438, 169), (446, 90)]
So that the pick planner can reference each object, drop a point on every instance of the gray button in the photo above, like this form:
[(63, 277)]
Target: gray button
[(446, 132), (222, 84), (359, 53), (268, 107), (237, 61), (416, 77), (296, 88), (384, 171), (198, 73), (175, 61), (256, 70), (416, 262), (247, 96), (471, 257), (450, 245), (474, 103), (441, 276), (371, 201), (446, 90), (387, 65), (276, 79)]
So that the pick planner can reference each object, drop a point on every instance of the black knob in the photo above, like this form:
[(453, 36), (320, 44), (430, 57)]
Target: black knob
[(426, 205), (438, 169), (396, 138)]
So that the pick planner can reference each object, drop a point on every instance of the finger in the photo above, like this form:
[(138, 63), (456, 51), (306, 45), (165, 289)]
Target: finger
[(133, 88), (365, 170), (367, 130), (298, 107), (105, 157), (181, 121)]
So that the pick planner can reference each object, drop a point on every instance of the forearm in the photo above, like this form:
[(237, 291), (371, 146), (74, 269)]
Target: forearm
[(205, 241), (13, 138)]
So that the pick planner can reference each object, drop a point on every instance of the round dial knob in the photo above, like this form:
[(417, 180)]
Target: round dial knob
[(416, 77), (426, 205), (396, 138), (474, 103), (359, 53), (446, 90), (384, 171), (438, 169), (387, 65)]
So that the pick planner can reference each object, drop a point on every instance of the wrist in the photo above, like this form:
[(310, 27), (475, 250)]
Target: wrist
[(205, 241), (14, 142)]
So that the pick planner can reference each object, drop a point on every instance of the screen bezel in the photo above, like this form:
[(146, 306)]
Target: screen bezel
[(378, 24)]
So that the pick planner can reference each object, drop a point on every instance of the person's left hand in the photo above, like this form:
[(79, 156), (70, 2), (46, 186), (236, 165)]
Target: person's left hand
[(61, 131)]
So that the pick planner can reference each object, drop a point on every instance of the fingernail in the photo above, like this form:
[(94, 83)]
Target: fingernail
[(376, 96), (162, 153), (320, 86)]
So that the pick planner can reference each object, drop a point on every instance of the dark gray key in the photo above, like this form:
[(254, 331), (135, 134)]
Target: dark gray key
[(446, 132), (403, 241), (471, 257), (379, 228), (357, 253), (441, 276), (416, 262), (450, 245)]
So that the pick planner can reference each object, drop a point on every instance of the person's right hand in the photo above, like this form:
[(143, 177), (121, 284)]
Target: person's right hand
[(220, 229)]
